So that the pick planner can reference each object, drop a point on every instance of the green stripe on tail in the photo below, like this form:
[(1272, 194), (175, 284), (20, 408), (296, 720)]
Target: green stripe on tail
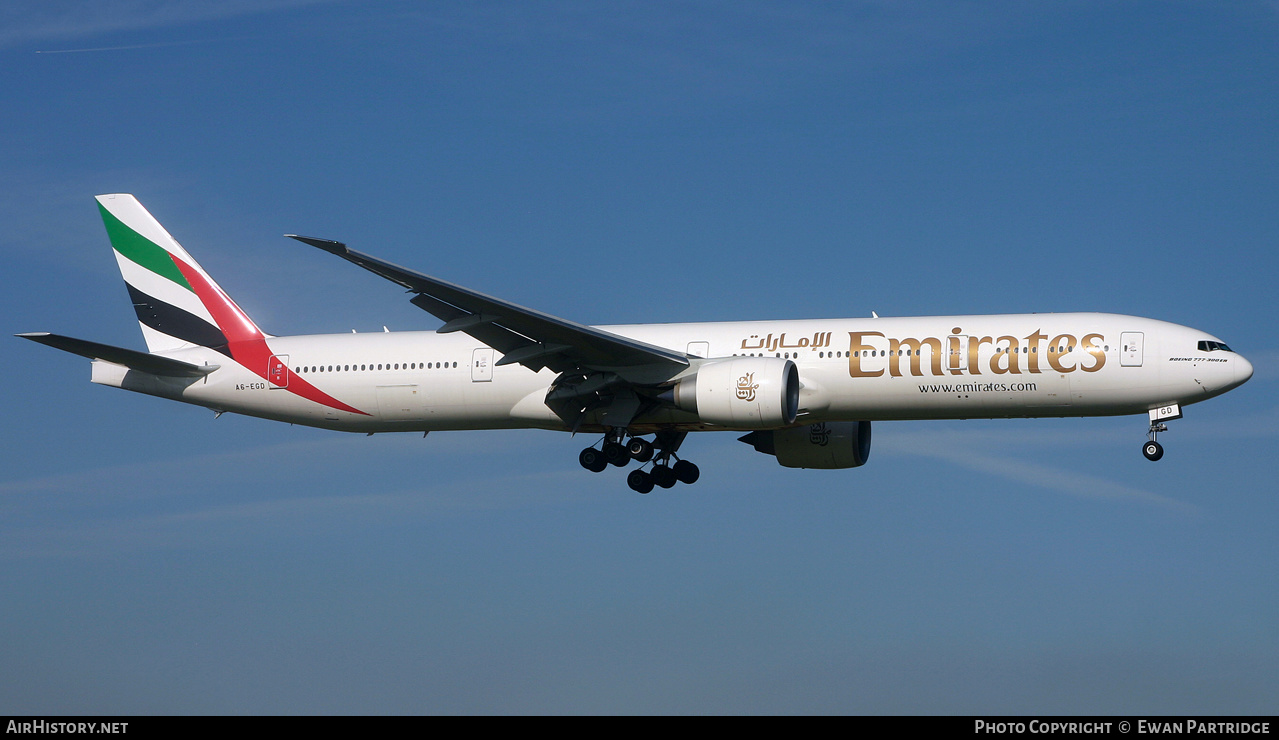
[(143, 251)]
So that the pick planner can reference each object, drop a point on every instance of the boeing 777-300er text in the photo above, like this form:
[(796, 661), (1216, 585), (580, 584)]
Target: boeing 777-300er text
[(804, 391)]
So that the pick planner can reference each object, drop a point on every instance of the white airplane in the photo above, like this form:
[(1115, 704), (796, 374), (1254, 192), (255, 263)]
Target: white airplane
[(805, 391)]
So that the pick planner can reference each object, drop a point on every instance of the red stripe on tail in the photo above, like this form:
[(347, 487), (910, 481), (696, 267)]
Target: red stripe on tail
[(246, 342)]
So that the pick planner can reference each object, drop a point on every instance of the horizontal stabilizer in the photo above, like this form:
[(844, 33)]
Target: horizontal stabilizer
[(141, 361)]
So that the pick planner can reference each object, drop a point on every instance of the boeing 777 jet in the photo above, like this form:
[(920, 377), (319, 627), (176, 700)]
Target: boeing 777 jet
[(804, 391)]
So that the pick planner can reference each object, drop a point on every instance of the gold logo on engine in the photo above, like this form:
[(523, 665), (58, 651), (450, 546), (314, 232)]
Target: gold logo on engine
[(746, 387)]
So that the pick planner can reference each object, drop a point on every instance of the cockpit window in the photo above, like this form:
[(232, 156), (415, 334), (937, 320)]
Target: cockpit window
[(1209, 346)]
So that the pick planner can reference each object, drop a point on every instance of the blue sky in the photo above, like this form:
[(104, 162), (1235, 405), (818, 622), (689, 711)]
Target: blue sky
[(640, 162)]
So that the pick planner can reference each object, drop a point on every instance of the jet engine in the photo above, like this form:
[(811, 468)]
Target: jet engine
[(741, 393), (828, 445)]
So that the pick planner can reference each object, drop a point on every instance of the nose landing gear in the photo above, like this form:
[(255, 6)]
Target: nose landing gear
[(1152, 449)]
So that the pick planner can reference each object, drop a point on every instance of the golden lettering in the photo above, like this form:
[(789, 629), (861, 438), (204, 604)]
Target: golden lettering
[(1095, 350), (1008, 354), (1032, 344), (913, 347), (1055, 356), (974, 350), (957, 354), (855, 349)]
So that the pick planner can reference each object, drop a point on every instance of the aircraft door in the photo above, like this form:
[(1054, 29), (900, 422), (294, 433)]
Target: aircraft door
[(399, 402), (1130, 343), (698, 349), (956, 353), (482, 365), (277, 371)]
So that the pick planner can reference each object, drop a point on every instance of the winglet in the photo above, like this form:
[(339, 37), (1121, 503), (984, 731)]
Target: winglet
[(327, 245)]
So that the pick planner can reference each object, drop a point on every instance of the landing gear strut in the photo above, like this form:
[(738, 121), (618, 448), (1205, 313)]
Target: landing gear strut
[(1152, 449)]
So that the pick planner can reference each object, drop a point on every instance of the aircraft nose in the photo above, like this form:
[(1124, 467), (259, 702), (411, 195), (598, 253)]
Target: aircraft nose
[(1243, 370)]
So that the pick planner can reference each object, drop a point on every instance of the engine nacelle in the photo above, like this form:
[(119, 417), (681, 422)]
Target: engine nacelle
[(742, 393), (827, 445)]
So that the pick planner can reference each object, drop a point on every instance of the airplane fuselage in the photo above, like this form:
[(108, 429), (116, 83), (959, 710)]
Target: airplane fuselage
[(939, 367)]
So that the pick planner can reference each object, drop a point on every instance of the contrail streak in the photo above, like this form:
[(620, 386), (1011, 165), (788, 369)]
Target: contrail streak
[(123, 48)]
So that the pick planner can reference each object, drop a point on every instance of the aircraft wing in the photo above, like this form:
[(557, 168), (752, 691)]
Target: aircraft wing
[(523, 335)]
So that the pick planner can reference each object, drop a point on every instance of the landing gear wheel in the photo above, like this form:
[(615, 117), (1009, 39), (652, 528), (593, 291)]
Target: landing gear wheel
[(640, 449), (640, 481), (615, 453), (663, 476), (592, 459), (1152, 450), (686, 472)]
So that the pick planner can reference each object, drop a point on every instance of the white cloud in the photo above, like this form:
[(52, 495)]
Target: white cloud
[(291, 487), (58, 20)]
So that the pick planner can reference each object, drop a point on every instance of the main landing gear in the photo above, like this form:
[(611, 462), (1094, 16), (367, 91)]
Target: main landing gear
[(660, 452)]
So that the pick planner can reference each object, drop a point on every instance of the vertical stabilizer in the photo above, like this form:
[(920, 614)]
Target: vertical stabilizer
[(177, 303)]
